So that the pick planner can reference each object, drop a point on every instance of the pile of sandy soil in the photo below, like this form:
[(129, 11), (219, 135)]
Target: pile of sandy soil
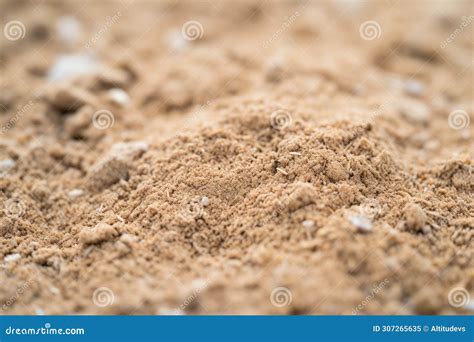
[(236, 157)]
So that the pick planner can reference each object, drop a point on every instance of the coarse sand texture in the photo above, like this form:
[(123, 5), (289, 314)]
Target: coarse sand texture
[(236, 157)]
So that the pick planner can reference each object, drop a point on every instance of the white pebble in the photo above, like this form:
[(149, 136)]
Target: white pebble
[(470, 305), (414, 88), (362, 223), (176, 41), (69, 30), (70, 66), (205, 201), (308, 223), (119, 96), (12, 257), (75, 193), (54, 290), (170, 312), (39, 312), (7, 164), (465, 134)]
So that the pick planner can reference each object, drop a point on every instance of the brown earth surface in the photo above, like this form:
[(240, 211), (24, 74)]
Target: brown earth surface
[(236, 157)]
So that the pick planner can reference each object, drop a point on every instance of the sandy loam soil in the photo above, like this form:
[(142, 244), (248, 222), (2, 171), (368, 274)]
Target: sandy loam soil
[(218, 157)]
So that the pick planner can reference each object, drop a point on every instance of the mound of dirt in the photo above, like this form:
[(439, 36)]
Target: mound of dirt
[(236, 158)]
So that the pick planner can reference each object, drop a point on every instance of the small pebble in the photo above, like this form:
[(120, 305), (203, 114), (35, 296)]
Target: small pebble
[(308, 224), (176, 41), (119, 96), (205, 201), (69, 30), (39, 312), (106, 173), (465, 134), (71, 66), (7, 164), (100, 233), (470, 305), (362, 223), (128, 239), (12, 257), (75, 193), (415, 218), (128, 150), (414, 88), (169, 312), (54, 290), (336, 171)]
